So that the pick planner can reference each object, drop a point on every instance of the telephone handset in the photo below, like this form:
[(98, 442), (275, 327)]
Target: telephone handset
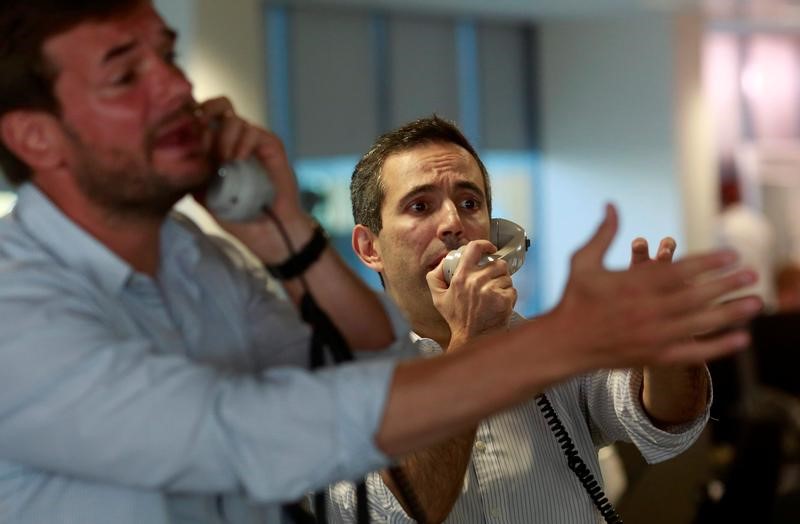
[(511, 242), (239, 191)]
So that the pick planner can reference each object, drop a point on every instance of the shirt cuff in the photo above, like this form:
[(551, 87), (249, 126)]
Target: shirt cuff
[(361, 394), (654, 443)]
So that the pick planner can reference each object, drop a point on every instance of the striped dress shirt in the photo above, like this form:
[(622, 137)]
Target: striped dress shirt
[(518, 473)]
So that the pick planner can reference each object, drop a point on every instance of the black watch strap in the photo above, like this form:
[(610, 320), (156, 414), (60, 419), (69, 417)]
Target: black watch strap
[(302, 260)]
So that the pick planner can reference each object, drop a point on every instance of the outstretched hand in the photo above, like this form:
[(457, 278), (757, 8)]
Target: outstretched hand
[(647, 315), (673, 394)]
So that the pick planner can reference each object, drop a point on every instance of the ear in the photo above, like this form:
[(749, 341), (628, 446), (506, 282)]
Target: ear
[(34, 137), (365, 244)]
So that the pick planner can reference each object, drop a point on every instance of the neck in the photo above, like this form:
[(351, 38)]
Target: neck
[(425, 319), (135, 238)]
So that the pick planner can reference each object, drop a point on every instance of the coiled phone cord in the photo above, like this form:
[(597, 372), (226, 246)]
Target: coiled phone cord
[(576, 463)]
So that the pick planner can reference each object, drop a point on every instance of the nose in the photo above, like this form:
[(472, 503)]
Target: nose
[(170, 85), (450, 228)]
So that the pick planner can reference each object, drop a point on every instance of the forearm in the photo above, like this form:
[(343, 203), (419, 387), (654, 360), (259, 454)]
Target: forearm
[(435, 475), (674, 395), (490, 374), (351, 305)]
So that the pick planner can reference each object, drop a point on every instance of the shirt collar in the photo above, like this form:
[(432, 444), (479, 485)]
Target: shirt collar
[(77, 249)]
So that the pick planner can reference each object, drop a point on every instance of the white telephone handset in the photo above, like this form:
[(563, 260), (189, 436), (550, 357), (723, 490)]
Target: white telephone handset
[(511, 242), (240, 191)]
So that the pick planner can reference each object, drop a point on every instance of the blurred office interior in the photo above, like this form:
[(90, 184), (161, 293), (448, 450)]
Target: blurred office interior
[(571, 103)]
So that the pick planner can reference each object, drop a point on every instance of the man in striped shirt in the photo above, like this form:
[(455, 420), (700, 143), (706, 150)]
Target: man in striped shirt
[(418, 193)]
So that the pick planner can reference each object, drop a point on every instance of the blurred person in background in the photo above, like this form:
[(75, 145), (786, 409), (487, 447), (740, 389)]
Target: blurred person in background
[(745, 229)]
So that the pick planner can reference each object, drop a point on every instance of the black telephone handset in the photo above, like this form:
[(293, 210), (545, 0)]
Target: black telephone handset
[(239, 191), (511, 242)]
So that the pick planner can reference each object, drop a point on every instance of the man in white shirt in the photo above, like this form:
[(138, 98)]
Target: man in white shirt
[(419, 192)]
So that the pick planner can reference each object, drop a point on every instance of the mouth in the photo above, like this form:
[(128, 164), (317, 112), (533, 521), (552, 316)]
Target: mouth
[(436, 261), (184, 134)]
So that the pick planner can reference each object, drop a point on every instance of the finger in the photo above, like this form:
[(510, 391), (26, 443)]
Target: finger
[(501, 282), (248, 141), (435, 278), (591, 255), (474, 250), (272, 153), (470, 258), (666, 249), (507, 298), (640, 251), (215, 108), (710, 320), (230, 131), (699, 295), (698, 352), (671, 276)]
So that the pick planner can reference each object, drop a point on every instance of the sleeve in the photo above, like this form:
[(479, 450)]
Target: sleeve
[(616, 413), (79, 399), (383, 506)]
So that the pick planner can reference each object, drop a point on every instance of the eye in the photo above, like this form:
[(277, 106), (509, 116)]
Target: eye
[(418, 207), (126, 78), (471, 203)]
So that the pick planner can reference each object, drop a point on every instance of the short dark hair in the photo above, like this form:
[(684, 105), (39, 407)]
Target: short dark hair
[(26, 78), (366, 189)]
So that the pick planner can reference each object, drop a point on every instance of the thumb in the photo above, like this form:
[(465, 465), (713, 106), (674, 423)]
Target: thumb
[(593, 252)]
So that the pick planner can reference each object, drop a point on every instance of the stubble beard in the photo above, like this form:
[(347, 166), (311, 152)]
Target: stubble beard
[(125, 187)]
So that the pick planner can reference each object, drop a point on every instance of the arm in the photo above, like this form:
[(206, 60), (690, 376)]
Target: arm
[(677, 394), (351, 305), (478, 301), (626, 319), (82, 395)]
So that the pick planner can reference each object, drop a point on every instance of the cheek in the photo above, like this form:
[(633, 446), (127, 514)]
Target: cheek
[(121, 120), (413, 240)]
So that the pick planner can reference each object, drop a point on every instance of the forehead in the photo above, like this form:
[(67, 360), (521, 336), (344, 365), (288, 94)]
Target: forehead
[(88, 42), (429, 164)]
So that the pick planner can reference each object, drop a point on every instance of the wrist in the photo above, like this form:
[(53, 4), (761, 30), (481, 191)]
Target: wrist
[(300, 258), (299, 229)]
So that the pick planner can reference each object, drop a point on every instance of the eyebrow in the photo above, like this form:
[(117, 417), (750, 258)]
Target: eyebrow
[(117, 51), (127, 47), (424, 188)]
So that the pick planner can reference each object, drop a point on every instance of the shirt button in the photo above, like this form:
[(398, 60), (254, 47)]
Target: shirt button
[(494, 512), (480, 446)]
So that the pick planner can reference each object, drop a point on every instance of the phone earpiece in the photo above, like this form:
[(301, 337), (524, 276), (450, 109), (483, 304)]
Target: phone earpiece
[(240, 191), (511, 242)]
